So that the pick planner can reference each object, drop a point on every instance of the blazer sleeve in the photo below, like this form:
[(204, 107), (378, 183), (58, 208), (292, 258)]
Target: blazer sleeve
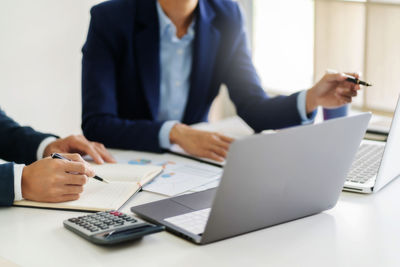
[(100, 120), (6, 184), (253, 104), (18, 143)]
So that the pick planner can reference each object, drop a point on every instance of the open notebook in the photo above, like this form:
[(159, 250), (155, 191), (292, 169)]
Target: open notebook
[(125, 181)]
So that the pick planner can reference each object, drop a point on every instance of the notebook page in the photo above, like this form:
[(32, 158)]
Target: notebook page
[(126, 172), (96, 196), (104, 196)]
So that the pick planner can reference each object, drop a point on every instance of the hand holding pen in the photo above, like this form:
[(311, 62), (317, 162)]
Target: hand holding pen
[(59, 156), (350, 78), (49, 180), (333, 90)]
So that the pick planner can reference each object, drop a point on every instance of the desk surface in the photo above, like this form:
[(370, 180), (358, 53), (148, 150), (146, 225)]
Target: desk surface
[(362, 230)]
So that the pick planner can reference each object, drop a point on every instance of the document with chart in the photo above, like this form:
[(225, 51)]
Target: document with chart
[(177, 177)]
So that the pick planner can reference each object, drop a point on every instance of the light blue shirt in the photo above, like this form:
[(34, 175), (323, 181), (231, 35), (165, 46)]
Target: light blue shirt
[(176, 66)]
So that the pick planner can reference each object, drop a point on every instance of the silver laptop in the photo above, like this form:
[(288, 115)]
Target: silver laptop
[(267, 180), (376, 163)]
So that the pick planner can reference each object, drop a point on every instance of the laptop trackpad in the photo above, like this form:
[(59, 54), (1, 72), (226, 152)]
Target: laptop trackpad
[(174, 206), (197, 201)]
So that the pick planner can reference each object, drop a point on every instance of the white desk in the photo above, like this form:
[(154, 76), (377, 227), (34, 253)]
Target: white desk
[(362, 230)]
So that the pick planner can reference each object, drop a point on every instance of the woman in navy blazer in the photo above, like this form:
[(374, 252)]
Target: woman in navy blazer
[(125, 77)]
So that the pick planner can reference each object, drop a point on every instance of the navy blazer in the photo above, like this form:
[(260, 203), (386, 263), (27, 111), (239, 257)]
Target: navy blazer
[(18, 144), (121, 73)]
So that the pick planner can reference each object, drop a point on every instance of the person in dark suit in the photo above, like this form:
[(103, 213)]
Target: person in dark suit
[(45, 180), (150, 68)]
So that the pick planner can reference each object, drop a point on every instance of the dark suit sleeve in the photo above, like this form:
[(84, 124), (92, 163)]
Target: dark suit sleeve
[(253, 105), (6, 184), (100, 120), (17, 143)]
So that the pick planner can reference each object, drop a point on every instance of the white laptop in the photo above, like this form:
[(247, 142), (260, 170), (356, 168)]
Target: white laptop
[(376, 163), (267, 180)]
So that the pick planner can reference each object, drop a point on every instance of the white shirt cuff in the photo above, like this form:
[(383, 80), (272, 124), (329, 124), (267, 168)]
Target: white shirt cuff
[(301, 107), (18, 168), (163, 135), (43, 145)]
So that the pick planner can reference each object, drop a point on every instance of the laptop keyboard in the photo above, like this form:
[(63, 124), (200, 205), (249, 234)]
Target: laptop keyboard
[(193, 222), (366, 163)]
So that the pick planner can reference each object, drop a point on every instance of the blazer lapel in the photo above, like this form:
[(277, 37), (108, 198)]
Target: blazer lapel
[(147, 47), (205, 51)]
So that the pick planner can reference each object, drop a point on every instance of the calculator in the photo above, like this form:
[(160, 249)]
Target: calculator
[(110, 227)]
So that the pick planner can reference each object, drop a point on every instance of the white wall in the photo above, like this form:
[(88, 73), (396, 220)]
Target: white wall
[(40, 62)]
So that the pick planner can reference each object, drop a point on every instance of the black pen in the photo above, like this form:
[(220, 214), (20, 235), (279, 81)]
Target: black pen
[(355, 80), (58, 156), (351, 78)]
